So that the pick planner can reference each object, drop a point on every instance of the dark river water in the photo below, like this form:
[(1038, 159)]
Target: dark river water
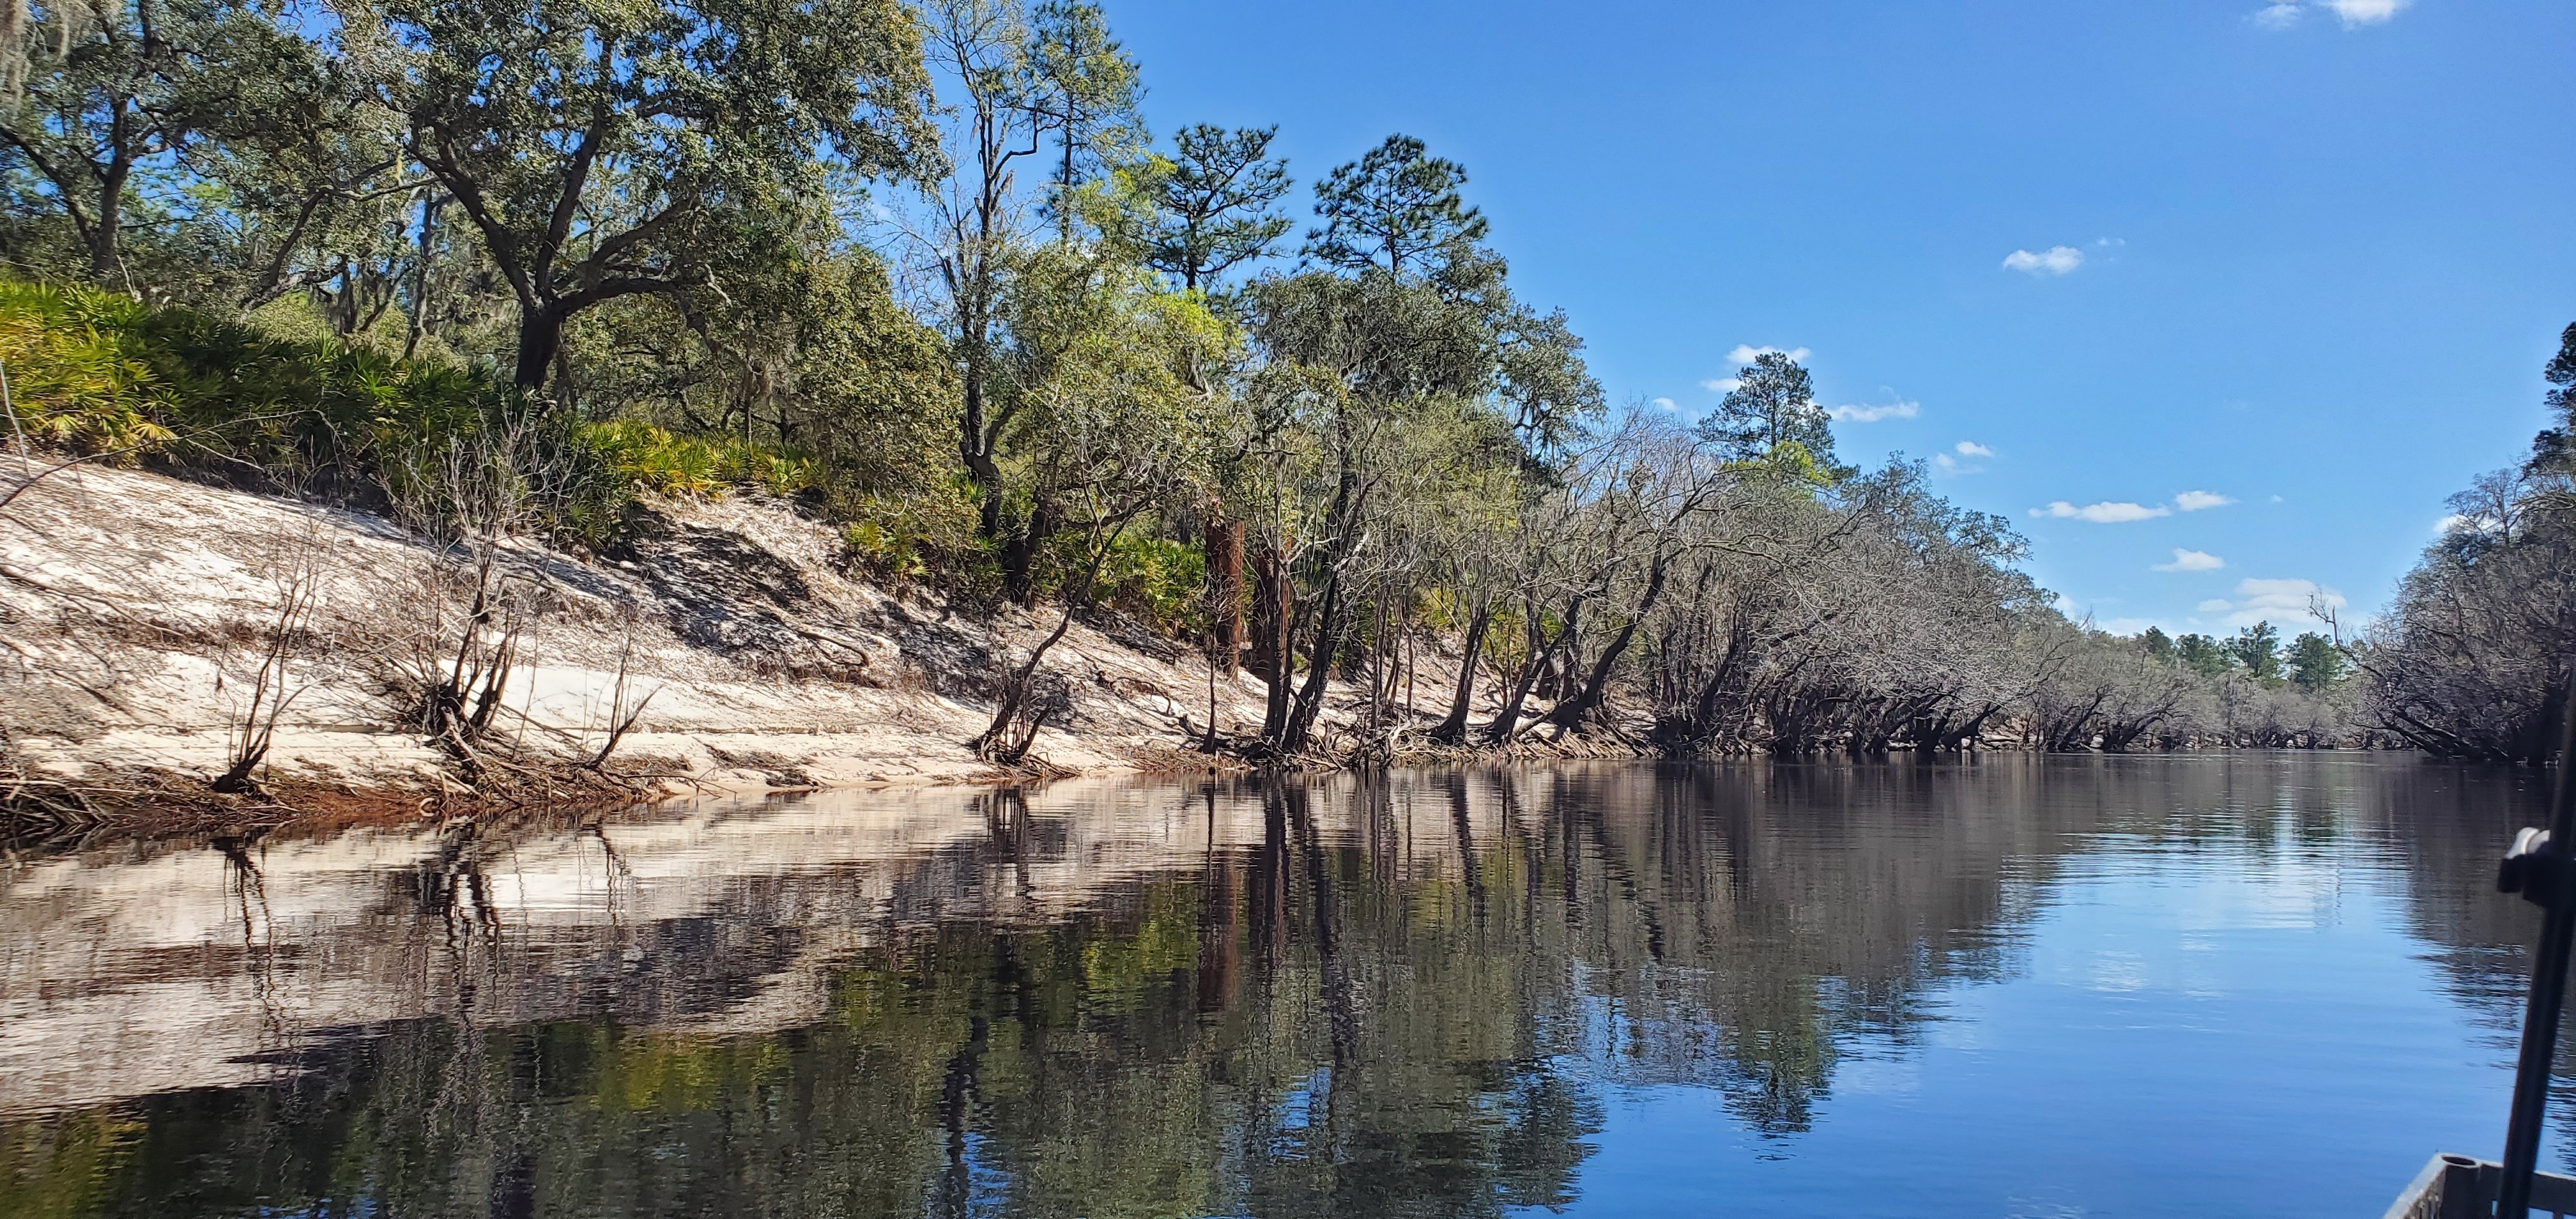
[(2199, 985)]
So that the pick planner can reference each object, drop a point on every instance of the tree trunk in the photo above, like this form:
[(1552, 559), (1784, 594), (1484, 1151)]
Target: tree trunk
[(1341, 526), (1411, 640), (1019, 553), (1300, 728), (1225, 592), (1542, 654), (540, 337), (106, 257), (1454, 729), (1379, 692), (1274, 611), (1705, 706), (976, 455), (419, 321), (1574, 711)]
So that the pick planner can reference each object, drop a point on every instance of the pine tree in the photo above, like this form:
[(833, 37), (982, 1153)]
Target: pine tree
[(1396, 209)]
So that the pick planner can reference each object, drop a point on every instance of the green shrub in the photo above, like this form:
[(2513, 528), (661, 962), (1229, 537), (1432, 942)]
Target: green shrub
[(1159, 580), (910, 536), (435, 444), (97, 373), (1155, 579), (78, 373), (655, 460)]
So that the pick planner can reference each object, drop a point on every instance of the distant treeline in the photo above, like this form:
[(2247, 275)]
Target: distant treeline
[(924, 268)]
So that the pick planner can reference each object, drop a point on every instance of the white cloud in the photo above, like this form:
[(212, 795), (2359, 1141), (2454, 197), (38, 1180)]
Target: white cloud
[(2278, 602), (2125, 626), (2276, 499), (1721, 385), (2365, 12), (2055, 260), (2066, 605), (2105, 513), (1665, 404), (1872, 414), (2192, 560), (2215, 605), (2110, 512), (2282, 14), (1957, 460), (2109, 242)]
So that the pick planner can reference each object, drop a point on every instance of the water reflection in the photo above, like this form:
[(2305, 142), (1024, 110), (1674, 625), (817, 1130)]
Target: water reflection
[(1436, 993)]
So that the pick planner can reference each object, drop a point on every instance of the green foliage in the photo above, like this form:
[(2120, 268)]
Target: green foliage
[(2204, 655), (1460, 334), (1791, 463), (2257, 649), (2315, 663), (2560, 372), (654, 460), (1158, 580), (1084, 85), (1773, 405), (1200, 211), (919, 534), (95, 371), (819, 361), (98, 373), (2158, 646), (79, 372), (690, 141), (190, 149), (1099, 396), (1396, 209)]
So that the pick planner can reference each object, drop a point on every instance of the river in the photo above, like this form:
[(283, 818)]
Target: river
[(2198, 985)]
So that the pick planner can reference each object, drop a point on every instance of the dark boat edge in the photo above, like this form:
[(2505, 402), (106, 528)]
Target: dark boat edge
[(2456, 1186)]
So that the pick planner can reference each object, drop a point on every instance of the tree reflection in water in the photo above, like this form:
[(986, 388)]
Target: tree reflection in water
[(1406, 993)]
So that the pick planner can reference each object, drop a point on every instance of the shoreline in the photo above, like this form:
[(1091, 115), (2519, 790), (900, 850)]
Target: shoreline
[(142, 640), (161, 806)]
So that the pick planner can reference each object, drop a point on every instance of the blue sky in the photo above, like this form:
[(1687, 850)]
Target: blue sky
[(2305, 258)]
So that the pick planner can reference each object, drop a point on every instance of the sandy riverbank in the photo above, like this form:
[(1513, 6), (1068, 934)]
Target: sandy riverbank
[(135, 609)]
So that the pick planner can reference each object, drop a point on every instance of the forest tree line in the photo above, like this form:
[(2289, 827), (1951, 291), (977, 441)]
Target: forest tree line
[(925, 269), (2471, 659)]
